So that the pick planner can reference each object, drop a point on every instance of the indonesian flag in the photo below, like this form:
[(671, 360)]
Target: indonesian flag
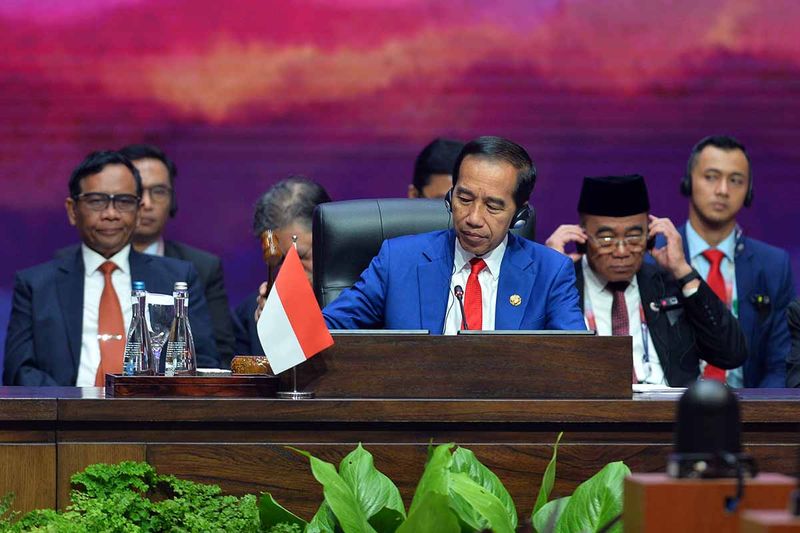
[(291, 328)]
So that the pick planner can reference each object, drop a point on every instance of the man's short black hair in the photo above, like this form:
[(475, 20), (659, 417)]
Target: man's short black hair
[(95, 163), (500, 149), (438, 157), (289, 201), (723, 142), (135, 152)]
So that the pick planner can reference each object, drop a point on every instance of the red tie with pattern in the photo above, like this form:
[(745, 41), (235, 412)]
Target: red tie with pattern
[(110, 329), (473, 303), (619, 314), (717, 284)]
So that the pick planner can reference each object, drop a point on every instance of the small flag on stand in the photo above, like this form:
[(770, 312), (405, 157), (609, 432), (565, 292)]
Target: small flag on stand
[(291, 328)]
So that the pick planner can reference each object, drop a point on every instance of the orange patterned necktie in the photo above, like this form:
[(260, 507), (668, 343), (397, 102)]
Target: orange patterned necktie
[(717, 284), (110, 329)]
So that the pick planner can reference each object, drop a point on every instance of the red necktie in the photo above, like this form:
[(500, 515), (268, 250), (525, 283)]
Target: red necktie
[(619, 314), (110, 329), (473, 303), (717, 284)]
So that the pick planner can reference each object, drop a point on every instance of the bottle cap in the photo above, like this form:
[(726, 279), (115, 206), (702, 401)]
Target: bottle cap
[(138, 285), (181, 286)]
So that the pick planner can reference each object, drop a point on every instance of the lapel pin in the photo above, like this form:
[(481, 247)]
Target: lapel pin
[(515, 299)]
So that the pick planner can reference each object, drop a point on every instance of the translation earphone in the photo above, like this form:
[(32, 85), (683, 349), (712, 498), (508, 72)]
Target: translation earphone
[(520, 218), (173, 203)]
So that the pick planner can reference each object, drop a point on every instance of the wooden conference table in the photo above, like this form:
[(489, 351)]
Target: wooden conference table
[(47, 434)]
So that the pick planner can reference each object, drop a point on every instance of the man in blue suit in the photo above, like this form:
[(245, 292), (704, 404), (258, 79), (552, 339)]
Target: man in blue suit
[(57, 333), (754, 277), (507, 283)]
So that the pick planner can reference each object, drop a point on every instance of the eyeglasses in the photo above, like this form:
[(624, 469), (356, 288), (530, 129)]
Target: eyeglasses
[(159, 193), (607, 244), (99, 201)]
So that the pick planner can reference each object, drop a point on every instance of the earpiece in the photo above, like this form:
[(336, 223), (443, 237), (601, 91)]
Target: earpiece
[(686, 185), (173, 204), (519, 219)]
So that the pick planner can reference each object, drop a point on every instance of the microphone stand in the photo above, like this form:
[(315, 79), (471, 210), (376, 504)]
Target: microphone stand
[(295, 394), (459, 293)]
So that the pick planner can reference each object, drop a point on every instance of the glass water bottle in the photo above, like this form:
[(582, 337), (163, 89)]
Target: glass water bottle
[(138, 358), (180, 358)]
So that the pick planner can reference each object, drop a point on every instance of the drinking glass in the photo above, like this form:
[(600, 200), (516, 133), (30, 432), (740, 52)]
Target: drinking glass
[(160, 311)]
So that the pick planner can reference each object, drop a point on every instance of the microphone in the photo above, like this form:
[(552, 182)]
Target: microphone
[(708, 438), (459, 292)]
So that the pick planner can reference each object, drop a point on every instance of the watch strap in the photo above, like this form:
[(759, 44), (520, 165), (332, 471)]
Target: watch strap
[(691, 276)]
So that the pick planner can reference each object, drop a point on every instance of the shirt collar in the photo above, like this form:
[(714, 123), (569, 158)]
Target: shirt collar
[(92, 260), (697, 245), (155, 248), (493, 258)]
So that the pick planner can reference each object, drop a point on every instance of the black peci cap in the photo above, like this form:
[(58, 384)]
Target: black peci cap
[(614, 196)]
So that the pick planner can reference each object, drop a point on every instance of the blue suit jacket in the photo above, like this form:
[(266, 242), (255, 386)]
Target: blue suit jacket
[(43, 343), (406, 287), (762, 270)]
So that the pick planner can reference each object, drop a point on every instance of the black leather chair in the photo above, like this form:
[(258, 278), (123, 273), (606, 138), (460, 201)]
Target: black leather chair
[(347, 235)]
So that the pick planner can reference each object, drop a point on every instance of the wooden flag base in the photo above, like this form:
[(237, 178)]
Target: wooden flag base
[(656, 503)]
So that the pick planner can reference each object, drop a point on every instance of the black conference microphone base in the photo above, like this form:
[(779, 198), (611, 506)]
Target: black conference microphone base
[(710, 465)]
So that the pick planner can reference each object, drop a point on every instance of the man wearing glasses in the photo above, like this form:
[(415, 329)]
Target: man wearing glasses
[(69, 317), (158, 206), (673, 317)]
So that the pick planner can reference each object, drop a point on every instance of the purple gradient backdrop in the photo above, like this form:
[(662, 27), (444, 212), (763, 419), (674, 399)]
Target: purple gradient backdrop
[(242, 94)]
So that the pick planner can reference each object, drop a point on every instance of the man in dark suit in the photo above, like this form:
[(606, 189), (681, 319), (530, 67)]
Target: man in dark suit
[(70, 315), (433, 169), (158, 206), (507, 282), (286, 209), (674, 318), (793, 363), (753, 278)]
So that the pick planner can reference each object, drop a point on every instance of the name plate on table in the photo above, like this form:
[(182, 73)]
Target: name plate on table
[(511, 365), (218, 386)]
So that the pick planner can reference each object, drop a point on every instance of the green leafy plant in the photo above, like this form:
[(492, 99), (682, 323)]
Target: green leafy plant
[(132, 497), (455, 493), (594, 504)]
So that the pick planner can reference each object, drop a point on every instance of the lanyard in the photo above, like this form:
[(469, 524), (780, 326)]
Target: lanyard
[(591, 321)]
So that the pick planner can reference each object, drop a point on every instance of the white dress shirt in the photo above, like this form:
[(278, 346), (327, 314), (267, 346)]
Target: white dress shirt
[(93, 283), (488, 278), (600, 300)]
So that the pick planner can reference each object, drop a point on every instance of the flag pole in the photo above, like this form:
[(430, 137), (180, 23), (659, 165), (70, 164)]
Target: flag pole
[(295, 394)]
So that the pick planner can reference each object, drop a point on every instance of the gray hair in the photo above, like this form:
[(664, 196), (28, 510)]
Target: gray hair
[(290, 201)]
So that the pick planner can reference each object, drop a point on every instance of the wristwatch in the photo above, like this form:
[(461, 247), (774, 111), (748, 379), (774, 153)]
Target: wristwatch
[(691, 276)]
